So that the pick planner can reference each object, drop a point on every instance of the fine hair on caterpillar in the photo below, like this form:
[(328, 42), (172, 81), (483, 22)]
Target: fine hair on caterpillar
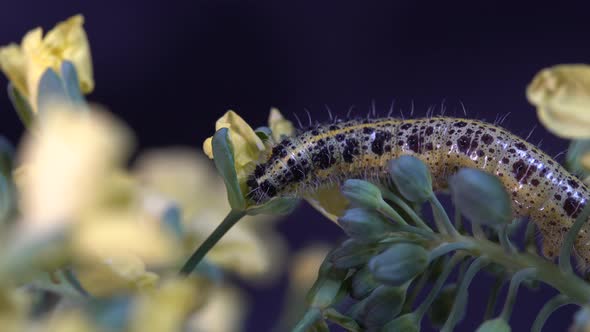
[(540, 188)]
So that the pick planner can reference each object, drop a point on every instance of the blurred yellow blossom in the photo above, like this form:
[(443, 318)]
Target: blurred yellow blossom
[(224, 311), (279, 125), (115, 274), (167, 307), (65, 163), (72, 178), (25, 64), (562, 97), (68, 321), (251, 248)]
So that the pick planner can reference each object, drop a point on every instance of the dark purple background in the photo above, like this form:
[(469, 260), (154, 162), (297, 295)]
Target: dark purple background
[(171, 68)]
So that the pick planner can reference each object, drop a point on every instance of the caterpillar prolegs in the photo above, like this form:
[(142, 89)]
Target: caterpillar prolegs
[(541, 189)]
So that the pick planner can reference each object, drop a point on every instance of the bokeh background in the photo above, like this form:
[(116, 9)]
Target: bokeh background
[(171, 68)]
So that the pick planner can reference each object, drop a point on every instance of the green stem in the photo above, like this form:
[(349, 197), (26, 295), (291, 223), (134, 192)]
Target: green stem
[(529, 237), (461, 299), (566, 283), (504, 239), (517, 279), (549, 307), (458, 222), (227, 223), (311, 316), (493, 298), (423, 308), (407, 209), (478, 231), (441, 214), (416, 289), (566, 248), (388, 211), (446, 248)]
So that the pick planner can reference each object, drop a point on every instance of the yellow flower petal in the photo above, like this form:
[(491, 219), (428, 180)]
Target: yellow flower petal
[(13, 64), (112, 275), (329, 201), (224, 311), (113, 234), (24, 66), (562, 97), (279, 125), (65, 163), (167, 307), (247, 146)]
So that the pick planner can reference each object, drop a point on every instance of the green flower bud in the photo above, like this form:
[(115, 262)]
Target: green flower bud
[(352, 253), (384, 303), (481, 197), (362, 283), (442, 306), (362, 194), (399, 264), (411, 177), (405, 323), (364, 225), (327, 286), (494, 325)]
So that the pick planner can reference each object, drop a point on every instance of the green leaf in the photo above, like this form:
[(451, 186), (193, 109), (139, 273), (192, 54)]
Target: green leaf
[(575, 153), (264, 133), (21, 105), (51, 88), (223, 157), (71, 82), (277, 206)]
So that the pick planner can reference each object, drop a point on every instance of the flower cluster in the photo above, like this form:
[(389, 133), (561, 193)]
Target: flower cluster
[(107, 240)]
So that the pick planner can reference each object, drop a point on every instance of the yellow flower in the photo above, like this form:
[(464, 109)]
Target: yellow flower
[(167, 307), (25, 64), (247, 146), (116, 274), (562, 97), (251, 248), (279, 125), (224, 311), (72, 179), (64, 164)]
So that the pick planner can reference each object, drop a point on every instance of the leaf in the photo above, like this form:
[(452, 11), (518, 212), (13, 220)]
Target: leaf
[(278, 206), (223, 157), (21, 105)]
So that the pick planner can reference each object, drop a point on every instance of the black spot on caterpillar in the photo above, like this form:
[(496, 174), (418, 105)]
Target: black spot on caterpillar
[(540, 188)]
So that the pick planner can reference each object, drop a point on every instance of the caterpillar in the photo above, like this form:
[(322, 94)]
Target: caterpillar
[(541, 188)]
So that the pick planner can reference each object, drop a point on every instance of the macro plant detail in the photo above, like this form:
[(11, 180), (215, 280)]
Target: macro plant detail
[(91, 244)]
